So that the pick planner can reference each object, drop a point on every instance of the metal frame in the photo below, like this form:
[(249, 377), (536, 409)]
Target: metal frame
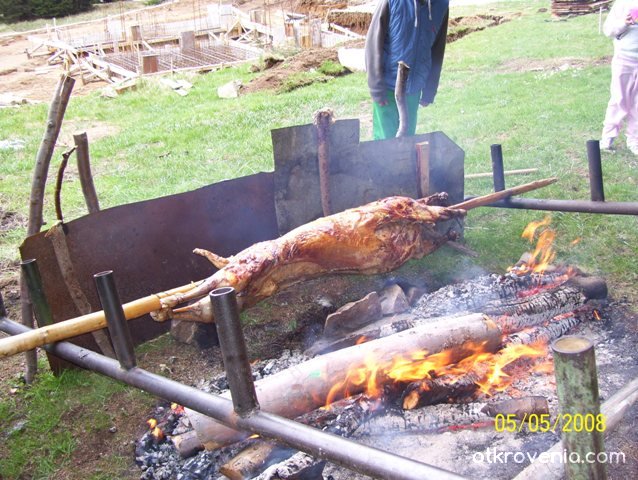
[(597, 204), (341, 451)]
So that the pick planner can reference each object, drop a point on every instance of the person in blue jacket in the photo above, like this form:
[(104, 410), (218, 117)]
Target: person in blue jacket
[(414, 32)]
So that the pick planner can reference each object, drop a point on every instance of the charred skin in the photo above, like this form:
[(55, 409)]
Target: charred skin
[(375, 238)]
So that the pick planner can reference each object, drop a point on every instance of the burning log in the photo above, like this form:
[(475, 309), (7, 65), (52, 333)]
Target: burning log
[(444, 417), (480, 371), (323, 379), (474, 373), (515, 314)]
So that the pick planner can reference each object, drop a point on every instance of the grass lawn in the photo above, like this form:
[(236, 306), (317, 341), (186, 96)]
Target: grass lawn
[(536, 85)]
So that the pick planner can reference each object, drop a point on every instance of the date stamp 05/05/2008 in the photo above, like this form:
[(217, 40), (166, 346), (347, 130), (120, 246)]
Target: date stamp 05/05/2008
[(565, 422)]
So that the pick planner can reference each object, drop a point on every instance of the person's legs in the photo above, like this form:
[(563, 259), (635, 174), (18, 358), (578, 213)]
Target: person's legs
[(618, 107), (385, 119), (632, 114)]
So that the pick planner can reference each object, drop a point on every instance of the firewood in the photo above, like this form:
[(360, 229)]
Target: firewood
[(249, 461), (439, 389), (544, 333), (445, 417), (307, 386), (536, 309), (510, 314)]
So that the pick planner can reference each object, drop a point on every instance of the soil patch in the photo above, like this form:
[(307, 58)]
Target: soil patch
[(549, 65)]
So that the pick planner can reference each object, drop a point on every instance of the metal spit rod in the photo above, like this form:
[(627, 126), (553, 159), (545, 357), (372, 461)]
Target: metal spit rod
[(597, 204), (347, 453)]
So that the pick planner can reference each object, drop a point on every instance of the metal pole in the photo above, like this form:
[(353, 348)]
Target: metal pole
[(498, 173), (595, 171), (577, 387), (347, 453), (31, 272), (582, 206), (233, 347), (115, 319)]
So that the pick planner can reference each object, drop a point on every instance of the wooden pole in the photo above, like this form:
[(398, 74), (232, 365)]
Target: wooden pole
[(84, 170), (81, 325), (508, 192), (577, 387), (36, 199), (522, 171)]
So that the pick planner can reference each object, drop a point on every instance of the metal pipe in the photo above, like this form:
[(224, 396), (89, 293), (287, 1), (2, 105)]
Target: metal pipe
[(582, 206), (498, 173), (41, 308), (596, 188), (347, 453), (234, 354), (577, 388), (115, 319)]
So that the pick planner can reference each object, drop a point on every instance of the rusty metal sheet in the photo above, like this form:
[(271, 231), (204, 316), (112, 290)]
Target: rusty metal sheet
[(360, 172), (149, 244)]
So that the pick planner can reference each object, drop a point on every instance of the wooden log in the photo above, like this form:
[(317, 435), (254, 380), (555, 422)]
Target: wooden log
[(310, 384), (440, 389), (577, 388), (57, 109)]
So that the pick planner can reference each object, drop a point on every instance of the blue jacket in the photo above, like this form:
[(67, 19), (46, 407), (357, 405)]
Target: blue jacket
[(396, 34)]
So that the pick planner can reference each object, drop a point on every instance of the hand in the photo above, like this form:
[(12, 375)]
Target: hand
[(629, 19), (424, 103), (382, 103)]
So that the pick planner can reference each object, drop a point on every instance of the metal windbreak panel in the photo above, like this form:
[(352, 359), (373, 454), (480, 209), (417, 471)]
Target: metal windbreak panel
[(149, 244)]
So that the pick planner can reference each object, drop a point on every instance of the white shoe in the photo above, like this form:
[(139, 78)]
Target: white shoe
[(633, 148), (607, 143)]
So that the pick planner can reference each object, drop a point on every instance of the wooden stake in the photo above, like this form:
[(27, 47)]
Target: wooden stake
[(36, 199), (508, 192)]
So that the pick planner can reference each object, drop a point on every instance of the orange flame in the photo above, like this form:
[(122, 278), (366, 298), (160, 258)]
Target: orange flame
[(421, 365), (544, 254), (152, 423), (176, 408), (157, 433)]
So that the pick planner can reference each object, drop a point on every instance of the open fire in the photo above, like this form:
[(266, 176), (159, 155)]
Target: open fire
[(365, 385)]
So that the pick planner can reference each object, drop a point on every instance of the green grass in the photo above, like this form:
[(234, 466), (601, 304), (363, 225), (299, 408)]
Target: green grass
[(506, 85), (52, 412)]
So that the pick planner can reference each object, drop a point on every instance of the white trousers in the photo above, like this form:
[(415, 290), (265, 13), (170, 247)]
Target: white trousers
[(623, 102)]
